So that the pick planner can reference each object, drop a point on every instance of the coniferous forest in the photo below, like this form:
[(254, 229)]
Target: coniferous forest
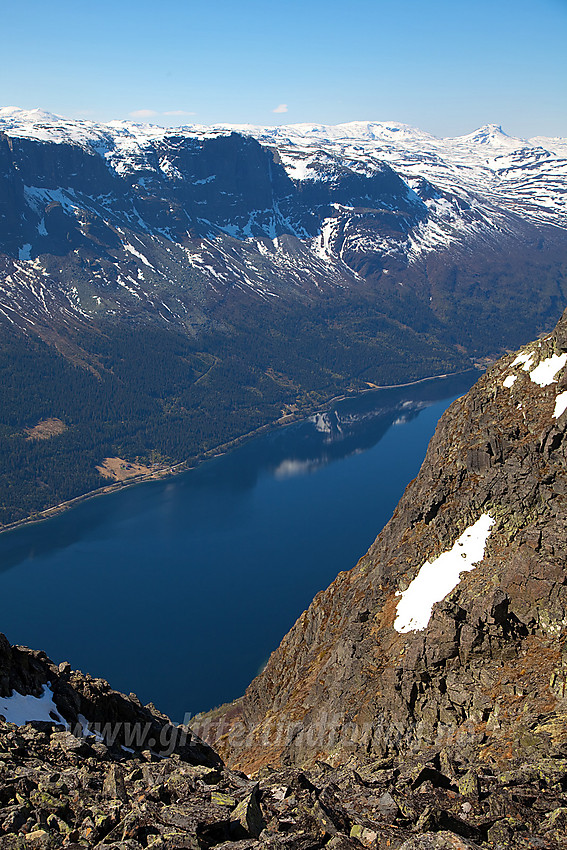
[(160, 397)]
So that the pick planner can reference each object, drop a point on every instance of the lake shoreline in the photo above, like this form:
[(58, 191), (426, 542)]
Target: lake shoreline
[(161, 473), (128, 587)]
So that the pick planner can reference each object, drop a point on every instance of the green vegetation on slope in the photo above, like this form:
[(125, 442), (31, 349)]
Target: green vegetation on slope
[(157, 395)]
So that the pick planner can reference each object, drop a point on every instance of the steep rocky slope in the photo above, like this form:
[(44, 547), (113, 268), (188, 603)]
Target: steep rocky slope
[(121, 776), (370, 667), (57, 790)]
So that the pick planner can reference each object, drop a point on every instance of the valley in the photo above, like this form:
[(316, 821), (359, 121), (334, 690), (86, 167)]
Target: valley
[(283, 426), (207, 555), (164, 292)]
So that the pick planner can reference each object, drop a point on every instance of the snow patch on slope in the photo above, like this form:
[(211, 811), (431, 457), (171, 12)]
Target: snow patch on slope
[(439, 577), (20, 709), (132, 250), (523, 359), (560, 405), (545, 372)]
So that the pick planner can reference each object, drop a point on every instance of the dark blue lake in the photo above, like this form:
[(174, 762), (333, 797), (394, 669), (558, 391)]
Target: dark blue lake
[(178, 590)]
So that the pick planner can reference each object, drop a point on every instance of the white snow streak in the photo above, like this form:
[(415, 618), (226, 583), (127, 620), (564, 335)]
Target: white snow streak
[(560, 405), (85, 728), (439, 577), (525, 359), (132, 250)]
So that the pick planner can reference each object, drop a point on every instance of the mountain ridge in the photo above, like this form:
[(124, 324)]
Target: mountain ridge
[(353, 129), (249, 275), (349, 212)]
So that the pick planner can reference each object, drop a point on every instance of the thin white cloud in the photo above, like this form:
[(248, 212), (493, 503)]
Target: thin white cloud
[(281, 108), (143, 113)]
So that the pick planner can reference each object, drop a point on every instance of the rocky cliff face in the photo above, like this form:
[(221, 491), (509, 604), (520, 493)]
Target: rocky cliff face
[(374, 667)]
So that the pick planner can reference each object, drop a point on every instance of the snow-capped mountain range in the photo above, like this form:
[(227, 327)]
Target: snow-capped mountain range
[(165, 291), (106, 219)]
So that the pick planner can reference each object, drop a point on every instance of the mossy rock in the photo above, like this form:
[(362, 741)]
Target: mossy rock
[(468, 784), (223, 799), (47, 802)]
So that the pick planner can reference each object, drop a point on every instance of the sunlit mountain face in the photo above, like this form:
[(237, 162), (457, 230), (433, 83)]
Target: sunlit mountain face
[(164, 291), (100, 221)]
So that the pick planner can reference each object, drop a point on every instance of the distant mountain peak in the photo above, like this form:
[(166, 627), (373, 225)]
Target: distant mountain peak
[(489, 134), (491, 129), (27, 115)]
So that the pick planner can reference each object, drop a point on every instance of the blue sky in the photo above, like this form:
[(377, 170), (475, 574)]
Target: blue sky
[(446, 66)]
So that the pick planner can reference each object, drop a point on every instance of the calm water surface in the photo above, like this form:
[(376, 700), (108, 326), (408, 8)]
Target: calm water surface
[(179, 590)]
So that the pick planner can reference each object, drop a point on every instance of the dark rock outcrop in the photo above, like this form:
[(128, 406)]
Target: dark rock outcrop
[(84, 705)]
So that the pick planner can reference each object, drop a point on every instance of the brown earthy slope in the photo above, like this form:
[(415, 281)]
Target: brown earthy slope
[(486, 677)]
